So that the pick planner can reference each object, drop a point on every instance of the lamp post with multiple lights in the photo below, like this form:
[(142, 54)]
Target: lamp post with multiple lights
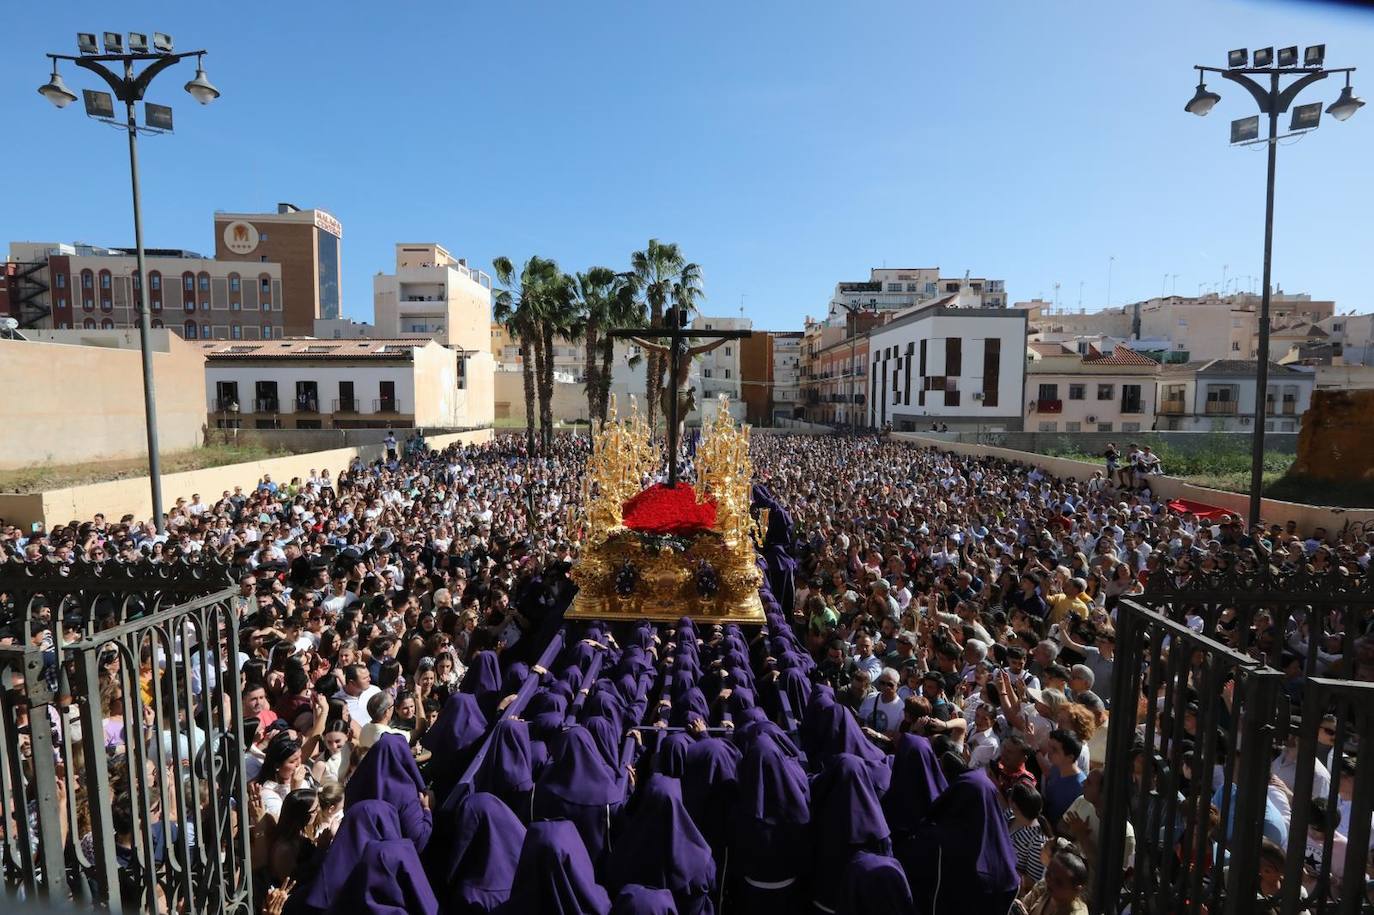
[(129, 88), (1263, 76)]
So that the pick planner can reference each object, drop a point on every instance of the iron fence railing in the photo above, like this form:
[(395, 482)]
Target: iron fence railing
[(121, 743)]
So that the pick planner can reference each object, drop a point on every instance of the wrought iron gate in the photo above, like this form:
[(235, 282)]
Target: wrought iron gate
[(121, 745), (1208, 692)]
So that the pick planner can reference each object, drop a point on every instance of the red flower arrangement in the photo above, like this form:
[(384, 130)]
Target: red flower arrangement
[(660, 510)]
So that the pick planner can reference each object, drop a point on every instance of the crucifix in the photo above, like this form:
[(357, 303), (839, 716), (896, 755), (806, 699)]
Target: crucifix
[(677, 395)]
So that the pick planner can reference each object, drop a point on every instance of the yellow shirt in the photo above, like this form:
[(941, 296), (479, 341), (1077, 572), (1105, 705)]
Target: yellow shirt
[(1061, 605)]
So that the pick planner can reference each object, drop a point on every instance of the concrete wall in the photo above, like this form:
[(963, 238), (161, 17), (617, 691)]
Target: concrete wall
[(1096, 442), (302, 441), (569, 399), (131, 496), (1307, 517), (66, 404)]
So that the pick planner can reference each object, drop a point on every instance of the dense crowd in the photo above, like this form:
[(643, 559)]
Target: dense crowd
[(920, 727)]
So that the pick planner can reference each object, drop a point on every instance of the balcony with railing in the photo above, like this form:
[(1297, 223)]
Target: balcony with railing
[(266, 404), (386, 405), (226, 404), (1049, 406), (307, 404), (345, 405), (1220, 408), (1173, 406)]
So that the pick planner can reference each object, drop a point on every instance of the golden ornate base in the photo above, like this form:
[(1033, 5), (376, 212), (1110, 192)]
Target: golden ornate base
[(630, 577), (587, 607)]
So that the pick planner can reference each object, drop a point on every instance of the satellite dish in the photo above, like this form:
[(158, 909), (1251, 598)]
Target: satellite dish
[(8, 323)]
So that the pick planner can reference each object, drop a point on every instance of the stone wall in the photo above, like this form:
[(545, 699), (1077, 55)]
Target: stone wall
[(1336, 442), (116, 498)]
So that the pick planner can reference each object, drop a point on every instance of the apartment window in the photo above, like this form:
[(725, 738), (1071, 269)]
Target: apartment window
[(188, 282), (1130, 399), (154, 280), (727, 351), (235, 305), (205, 332), (189, 305), (190, 331), (234, 282), (727, 373), (1235, 346), (913, 287), (235, 332), (265, 285), (104, 279), (204, 280), (1336, 326), (1049, 392), (1130, 427), (1073, 427), (61, 303), (894, 287), (706, 373), (708, 327), (1077, 392), (87, 279), (61, 281), (138, 281), (1104, 427), (88, 324), (1050, 426), (107, 323), (157, 322), (106, 305), (88, 304), (205, 306), (1106, 391), (267, 331), (262, 236)]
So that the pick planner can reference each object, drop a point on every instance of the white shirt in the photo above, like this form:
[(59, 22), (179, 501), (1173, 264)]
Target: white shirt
[(1285, 766), (357, 705)]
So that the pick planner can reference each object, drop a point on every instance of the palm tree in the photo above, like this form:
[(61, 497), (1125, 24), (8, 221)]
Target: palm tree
[(591, 301), (517, 307), (623, 310), (657, 268), (557, 318)]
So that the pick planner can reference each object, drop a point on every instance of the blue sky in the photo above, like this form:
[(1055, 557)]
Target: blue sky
[(783, 145)]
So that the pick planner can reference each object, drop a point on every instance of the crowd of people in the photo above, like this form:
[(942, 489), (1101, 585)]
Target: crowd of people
[(920, 727)]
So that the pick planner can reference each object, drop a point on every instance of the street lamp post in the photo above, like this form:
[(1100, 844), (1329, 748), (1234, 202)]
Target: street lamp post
[(129, 88), (1273, 99)]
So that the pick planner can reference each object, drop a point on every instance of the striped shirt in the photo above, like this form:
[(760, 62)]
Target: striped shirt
[(1027, 841)]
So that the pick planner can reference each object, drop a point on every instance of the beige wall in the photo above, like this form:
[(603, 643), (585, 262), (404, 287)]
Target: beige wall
[(1273, 510), (569, 400), (131, 496), (70, 403), (479, 390)]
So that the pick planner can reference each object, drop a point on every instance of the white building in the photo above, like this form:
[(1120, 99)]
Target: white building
[(1354, 334), (304, 383), (1218, 395), (433, 295), (720, 368), (1068, 391), (961, 367), (901, 288), (786, 374)]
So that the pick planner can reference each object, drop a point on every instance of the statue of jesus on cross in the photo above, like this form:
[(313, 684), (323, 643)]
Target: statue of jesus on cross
[(678, 397)]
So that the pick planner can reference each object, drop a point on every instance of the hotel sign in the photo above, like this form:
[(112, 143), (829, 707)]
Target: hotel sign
[(240, 237), (327, 222)]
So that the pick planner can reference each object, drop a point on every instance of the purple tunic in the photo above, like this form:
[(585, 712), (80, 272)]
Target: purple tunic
[(363, 822), (554, 876), (917, 780), (486, 849), (771, 841), (876, 884), (388, 773), (841, 733), (581, 787), (634, 899), (846, 817), (388, 880), (507, 770), (661, 847)]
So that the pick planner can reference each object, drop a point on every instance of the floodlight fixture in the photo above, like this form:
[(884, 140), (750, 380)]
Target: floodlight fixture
[(1306, 117), (1314, 55), (162, 43), (1245, 129), (114, 43), (55, 90), (1202, 101), (159, 117), (1349, 103), (1288, 57), (98, 104), (85, 43), (201, 89), (1264, 57), (1237, 58), (138, 43)]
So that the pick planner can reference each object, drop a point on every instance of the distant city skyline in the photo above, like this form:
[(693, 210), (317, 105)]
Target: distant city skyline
[(784, 146)]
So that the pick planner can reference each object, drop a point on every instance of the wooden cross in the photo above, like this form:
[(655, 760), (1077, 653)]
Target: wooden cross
[(679, 361)]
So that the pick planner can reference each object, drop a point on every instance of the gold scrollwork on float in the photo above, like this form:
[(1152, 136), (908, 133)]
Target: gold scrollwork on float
[(711, 575)]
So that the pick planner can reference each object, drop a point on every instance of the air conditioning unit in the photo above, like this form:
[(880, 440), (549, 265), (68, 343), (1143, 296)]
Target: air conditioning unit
[(1090, 419), (977, 395)]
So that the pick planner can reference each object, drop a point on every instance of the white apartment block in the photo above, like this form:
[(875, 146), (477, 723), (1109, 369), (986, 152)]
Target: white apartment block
[(943, 364), (433, 295), (901, 288), (720, 368), (787, 397), (1218, 395)]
